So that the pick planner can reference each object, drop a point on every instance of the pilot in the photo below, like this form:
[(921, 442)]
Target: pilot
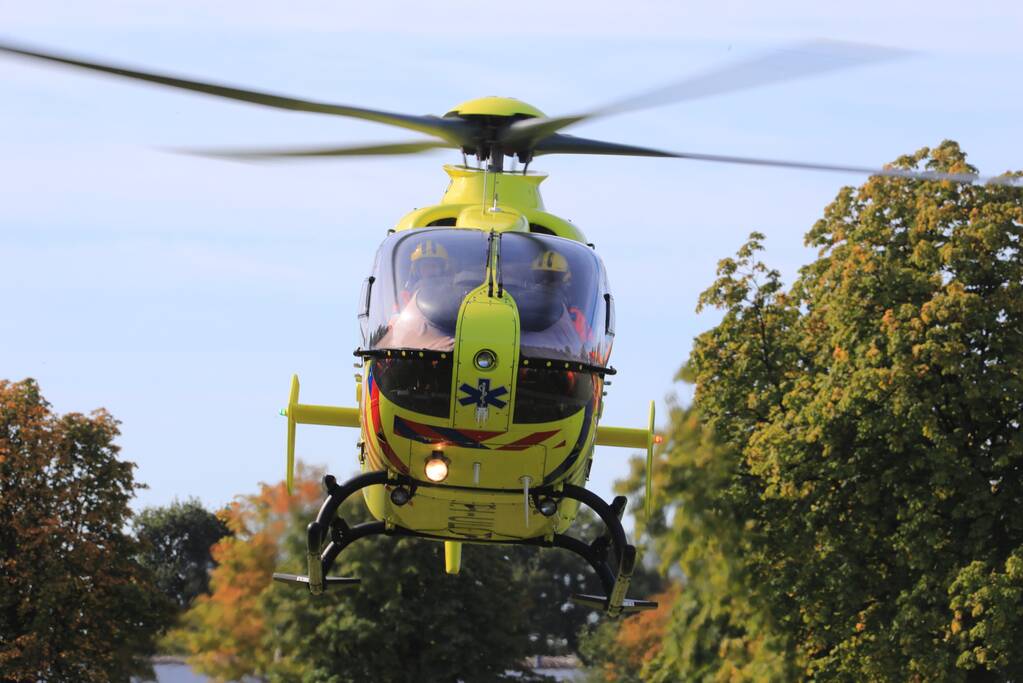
[(410, 328), (429, 262), (550, 272)]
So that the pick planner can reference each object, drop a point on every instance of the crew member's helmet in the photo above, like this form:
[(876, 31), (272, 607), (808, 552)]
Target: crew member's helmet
[(429, 259), (550, 268)]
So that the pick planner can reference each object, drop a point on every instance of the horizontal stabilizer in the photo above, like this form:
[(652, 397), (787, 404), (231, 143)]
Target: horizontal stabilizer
[(635, 438), (301, 413), (599, 602), (327, 580)]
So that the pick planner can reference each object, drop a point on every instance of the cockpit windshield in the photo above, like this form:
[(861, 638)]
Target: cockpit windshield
[(419, 281), (561, 292), (422, 276)]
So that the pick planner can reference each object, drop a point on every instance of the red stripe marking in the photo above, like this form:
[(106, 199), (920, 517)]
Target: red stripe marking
[(428, 431), (527, 441), (374, 405), (477, 435)]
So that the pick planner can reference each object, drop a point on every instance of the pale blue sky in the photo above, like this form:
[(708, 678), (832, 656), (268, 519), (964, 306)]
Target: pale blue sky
[(181, 293)]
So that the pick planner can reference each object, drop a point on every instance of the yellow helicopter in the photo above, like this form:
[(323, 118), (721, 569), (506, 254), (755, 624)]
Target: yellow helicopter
[(487, 325)]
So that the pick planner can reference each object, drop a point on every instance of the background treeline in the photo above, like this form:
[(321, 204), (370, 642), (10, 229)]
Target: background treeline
[(840, 501)]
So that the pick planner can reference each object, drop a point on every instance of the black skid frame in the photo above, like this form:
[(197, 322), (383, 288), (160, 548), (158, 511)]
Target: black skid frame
[(610, 555)]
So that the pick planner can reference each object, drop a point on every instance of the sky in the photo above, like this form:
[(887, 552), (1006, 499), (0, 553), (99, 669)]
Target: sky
[(181, 293)]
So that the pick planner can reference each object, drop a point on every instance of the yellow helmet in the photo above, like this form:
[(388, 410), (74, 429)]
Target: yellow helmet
[(429, 249), (551, 263)]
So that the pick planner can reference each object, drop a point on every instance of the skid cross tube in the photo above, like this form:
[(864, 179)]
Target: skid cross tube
[(610, 556), (316, 532), (604, 573), (341, 539), (607, 515)]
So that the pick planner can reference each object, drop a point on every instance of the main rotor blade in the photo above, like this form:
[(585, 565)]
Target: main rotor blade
[(560, 143), (796, 61), (567, 144), (320, 152), (451, 130)]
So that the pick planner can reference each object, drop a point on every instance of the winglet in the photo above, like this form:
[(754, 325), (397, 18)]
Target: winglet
[(290, 413), (654, 439)]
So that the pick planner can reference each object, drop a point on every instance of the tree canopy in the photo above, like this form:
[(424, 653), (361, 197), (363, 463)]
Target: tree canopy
[(842, 497), (75, 605), (407, 620), (177, 539), (874, 412)]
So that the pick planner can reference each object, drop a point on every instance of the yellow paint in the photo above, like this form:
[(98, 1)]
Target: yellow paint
[(635, 438), (298, 413), (496, 106), (469, 200), (452, 557), (622, 437)]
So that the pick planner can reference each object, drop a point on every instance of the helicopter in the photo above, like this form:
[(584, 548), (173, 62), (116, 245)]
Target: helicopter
[(487, 325)]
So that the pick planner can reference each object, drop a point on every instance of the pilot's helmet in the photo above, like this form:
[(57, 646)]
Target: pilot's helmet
[(550, 268), (430, 259)]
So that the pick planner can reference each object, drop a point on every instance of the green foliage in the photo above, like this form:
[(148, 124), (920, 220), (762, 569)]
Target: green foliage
[(707, 627), (407, 620), (873, 411), (548, 578), (75, 605), (177, 539)]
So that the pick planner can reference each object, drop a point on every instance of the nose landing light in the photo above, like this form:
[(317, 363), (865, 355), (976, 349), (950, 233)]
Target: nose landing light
[(436, 468)]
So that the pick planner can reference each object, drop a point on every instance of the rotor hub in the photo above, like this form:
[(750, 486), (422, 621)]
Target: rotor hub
[(496, 106)]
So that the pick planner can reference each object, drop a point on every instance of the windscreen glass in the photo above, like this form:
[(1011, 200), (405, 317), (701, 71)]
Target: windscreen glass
[(559, 288), (419, 281), (545, 395), (422, 384)]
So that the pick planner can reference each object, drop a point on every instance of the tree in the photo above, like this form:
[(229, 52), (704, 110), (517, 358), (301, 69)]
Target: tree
[(408, 620), (621, 651), (177, 539), (707, 626), (874, 412), (226, 631), (549, 579), (75, 605)]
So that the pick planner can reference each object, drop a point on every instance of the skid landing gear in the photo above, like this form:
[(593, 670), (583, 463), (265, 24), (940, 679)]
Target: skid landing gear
[(610, 556)]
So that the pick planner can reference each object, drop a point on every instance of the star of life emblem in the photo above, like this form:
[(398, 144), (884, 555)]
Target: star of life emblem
[(484, 397)]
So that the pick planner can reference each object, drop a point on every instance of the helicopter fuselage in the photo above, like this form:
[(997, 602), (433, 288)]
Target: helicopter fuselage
[(524, 419)]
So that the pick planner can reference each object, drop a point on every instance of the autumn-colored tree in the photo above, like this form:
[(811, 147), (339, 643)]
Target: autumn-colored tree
[(75, 605), (874, 409), (226, 632), (621, 651)]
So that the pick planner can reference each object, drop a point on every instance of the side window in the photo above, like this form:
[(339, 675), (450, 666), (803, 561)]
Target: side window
[(609, 319)]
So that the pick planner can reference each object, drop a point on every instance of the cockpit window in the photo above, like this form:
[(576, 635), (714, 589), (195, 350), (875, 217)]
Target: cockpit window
[(559, 287), (419, 281)]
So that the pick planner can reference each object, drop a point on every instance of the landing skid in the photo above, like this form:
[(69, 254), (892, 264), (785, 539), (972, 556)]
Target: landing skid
[(610, 556)]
